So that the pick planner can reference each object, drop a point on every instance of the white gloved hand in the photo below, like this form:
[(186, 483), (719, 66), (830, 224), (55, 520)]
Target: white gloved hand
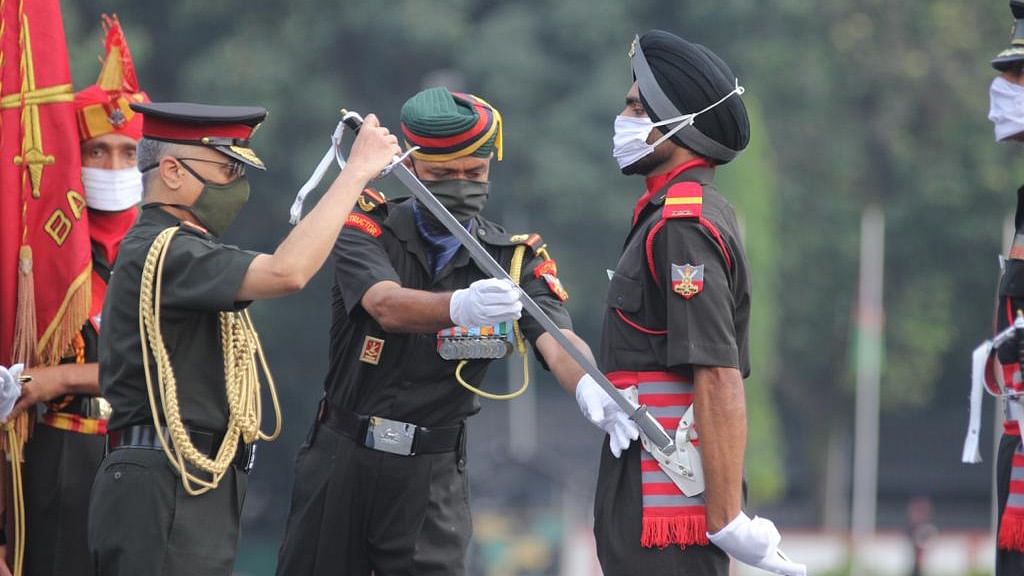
[(10, 388), (600, 409), (756, 542), (485, 302)]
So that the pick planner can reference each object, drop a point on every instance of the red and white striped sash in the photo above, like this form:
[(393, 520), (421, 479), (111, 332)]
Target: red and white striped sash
[(669, 516)]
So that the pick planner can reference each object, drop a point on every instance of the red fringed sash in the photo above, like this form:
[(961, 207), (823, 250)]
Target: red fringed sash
[(1011, 528), (669, 516)]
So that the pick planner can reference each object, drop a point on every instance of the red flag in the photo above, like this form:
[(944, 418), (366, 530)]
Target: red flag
[(45, 258)]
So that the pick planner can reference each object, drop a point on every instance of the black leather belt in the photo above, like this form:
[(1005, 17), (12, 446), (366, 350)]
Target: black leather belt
[(145, 436), (392, 436)]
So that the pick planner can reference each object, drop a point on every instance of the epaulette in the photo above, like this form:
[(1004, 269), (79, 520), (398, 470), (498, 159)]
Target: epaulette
[(683, 200), (500, 238), (370, 200), (194, 229), (546, 270)]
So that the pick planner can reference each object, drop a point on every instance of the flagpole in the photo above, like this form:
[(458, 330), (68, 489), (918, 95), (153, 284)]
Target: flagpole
[(870, 322)]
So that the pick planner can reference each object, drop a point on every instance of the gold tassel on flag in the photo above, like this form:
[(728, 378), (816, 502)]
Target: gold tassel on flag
[(24, 349)]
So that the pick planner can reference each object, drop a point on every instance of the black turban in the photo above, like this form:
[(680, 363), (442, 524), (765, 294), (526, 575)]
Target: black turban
[(689, 78)]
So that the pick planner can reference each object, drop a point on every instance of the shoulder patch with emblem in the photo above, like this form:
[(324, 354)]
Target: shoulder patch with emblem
[(363, 223), (548, 271), (683, 200), (687, 280)]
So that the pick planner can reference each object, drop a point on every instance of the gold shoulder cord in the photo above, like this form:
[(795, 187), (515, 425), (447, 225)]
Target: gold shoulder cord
[(514, 270), (14, 446), (241, 349)]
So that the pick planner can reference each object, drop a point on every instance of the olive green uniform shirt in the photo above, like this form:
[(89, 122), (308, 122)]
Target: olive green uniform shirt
[(201, 278)]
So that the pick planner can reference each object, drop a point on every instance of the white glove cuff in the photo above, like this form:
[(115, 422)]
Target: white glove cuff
[(455, 305), (730, 529)]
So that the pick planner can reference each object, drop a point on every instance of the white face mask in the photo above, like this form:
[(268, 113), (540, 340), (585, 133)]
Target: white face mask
[(112, 190), (1006, 109), (629, 144)]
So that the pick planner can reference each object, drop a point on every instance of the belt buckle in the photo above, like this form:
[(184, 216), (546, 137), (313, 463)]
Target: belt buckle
[(98, 408), (390, 436)]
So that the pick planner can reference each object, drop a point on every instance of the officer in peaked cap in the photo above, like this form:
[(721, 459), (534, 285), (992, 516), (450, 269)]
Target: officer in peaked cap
[(177, 354)]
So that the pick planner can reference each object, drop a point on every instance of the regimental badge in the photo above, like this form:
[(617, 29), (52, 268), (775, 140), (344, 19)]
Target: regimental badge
[(370, 199), (372, 349), (548, 271), (687, 280), (117, 118)]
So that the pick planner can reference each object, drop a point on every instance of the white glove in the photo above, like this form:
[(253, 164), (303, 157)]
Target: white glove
[(756, 542), (10, 388), (600, 409), (484, 303)]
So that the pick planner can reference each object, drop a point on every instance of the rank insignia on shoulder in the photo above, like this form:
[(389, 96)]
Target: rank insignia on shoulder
[(687, 280), (372, 349), (683, 200), (548, 271), (363, 223), (370, 199)]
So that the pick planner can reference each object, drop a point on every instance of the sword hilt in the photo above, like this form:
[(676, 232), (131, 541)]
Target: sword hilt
[(352, 119)]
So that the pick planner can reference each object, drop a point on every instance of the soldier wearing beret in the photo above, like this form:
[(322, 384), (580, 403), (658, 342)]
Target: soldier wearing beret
[(675, 329), (381, 483), (177, 353), (1002, 366), (66, 444)]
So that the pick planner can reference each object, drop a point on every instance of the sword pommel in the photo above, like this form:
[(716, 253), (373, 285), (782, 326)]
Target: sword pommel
[(352, 120)]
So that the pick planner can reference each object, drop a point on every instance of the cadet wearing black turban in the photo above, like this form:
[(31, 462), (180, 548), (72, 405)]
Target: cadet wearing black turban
[(677, 77), (676, 331)]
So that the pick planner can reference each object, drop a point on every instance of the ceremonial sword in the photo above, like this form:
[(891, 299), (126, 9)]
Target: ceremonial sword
[(651, 428)]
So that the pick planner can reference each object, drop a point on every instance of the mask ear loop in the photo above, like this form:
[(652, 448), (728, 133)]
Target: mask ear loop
[(688, 119)]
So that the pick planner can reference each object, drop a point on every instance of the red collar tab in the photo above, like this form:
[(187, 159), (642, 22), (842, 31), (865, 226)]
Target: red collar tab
[(654, 183)]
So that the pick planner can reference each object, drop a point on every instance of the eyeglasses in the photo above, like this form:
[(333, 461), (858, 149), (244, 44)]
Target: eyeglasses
[(235, 168)]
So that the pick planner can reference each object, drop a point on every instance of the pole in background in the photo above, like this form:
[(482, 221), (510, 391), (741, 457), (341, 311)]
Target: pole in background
[(870, 321), (522, 412)]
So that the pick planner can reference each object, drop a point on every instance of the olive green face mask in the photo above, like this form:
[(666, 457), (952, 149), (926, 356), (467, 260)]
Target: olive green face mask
[(463, 198), (218, 204)]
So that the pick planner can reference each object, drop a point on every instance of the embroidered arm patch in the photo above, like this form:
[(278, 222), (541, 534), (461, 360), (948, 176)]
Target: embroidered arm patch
[(687, 280), (364, 224)]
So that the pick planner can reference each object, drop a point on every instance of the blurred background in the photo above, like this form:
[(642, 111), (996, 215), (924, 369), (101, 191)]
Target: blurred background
[(857, 106)]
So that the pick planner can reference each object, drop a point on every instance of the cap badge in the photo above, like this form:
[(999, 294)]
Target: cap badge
[(117, 118)]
